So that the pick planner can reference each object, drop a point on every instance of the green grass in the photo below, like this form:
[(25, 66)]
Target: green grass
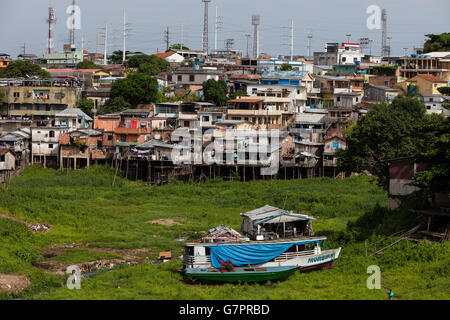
[(83, 207)]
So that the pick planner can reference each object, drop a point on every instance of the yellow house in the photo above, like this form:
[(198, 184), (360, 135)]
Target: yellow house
[(4, 60), (425, 83)]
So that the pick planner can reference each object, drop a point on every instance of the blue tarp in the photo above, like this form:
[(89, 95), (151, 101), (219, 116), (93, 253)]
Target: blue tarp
[(242, 255)]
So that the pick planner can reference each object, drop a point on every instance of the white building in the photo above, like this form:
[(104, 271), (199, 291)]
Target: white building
[(433, 103)]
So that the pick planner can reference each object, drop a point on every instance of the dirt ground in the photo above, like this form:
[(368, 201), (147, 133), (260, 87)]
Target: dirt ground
[(33, 226), (130, 257), (168, 222), (13, 283)]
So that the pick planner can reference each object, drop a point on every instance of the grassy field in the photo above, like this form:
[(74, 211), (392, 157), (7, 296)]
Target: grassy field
[(83, 208)]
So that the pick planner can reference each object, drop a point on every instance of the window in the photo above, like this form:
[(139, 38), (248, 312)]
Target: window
[(357, 99), (169, 77), (344, 59), (192, 78), (338, 99), (180, 78), (50, 145), (99, 143), (51, 134), (205, 118), (110, 137), (16, 94), (2, 158)]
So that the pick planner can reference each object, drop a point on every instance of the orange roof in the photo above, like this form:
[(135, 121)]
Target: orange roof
[(74, 70), (247, 100), (164, 55), (431, 78)]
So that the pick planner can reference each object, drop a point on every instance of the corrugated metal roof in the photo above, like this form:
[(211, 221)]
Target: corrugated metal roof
[(284, 75), (269, 212), (75, 111)]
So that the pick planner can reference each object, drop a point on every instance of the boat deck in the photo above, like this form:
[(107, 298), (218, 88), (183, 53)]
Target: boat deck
[(253, 242)]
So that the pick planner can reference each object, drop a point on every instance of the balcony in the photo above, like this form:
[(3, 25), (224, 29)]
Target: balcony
[(124, 130)]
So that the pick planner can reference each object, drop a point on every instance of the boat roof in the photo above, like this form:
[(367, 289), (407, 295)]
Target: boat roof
[(255, 242)]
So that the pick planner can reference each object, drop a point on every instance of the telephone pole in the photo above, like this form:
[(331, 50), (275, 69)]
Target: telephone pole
[(105, 44)]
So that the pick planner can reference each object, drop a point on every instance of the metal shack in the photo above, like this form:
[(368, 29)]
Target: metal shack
[(269, 223)]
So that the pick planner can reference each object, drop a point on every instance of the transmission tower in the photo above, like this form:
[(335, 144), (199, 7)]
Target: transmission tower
[(205, 27), (256, 21), (229, 43), (217, 27), (51, 20)]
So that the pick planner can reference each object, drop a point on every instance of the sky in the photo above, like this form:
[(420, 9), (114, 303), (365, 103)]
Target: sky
[(23, 22)]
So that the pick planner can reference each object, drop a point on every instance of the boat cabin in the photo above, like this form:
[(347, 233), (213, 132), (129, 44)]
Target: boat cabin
[(269, 223)]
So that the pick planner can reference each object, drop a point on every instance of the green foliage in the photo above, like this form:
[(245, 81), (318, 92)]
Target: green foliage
[(215, 92), (136, 88), (387, 131), (177, 46), (286, 67), (23, 69), (385, 70), (437, 42), (114, 105), (444, 90), (88, 65), (237, 93), (79, 205), (116, 56), (436, 154), (148, 64), (86, 106)]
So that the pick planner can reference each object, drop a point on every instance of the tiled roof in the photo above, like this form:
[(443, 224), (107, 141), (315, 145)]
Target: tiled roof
[(164, 55), (431, 78)]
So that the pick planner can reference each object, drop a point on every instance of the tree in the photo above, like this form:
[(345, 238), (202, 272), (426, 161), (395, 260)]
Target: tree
[(436, 155), (117, 56), (150, 65), (437, 42), (215, 91), (387, 131), (286, 67), (116, 104), (137, 88), (88, 65), (444, 90), (411, 91), (238, 93), (86, 106), (177, 46), (23, 69)]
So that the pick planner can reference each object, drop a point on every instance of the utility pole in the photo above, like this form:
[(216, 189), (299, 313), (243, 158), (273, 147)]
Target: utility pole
[(216, 29), (182, 37), (256, 21), (205, 44), (167, 38), (309, 43), (72, 27), (389, 46), (248, 36), (124, 37), (292, 39), (105, 45), (348, 37)]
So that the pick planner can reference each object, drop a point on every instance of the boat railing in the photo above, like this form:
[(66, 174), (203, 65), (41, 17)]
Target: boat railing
[(291, 255), (196, 260)]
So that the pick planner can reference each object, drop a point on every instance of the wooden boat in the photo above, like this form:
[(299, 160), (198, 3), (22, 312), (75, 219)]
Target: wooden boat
[(240, 274), (302, 253), (274, 244)]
